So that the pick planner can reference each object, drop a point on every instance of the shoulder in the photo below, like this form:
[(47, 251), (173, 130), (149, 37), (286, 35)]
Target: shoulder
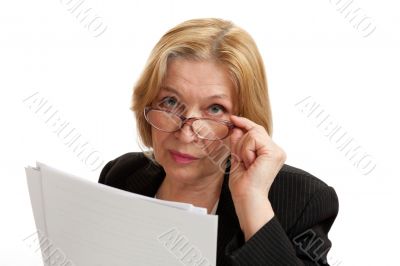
[(131, 171), (123, 164), (295, 190), (291, 177)]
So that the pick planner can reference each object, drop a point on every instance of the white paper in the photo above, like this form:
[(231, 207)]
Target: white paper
[(94, 224)]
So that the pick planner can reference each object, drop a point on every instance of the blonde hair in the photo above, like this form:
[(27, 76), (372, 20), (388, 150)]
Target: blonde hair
[(207, 39)]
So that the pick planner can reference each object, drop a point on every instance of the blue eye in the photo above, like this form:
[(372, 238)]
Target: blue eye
[(216, 109), (169, 102)]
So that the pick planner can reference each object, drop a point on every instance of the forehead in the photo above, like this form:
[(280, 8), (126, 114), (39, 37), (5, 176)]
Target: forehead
[(198, 79)]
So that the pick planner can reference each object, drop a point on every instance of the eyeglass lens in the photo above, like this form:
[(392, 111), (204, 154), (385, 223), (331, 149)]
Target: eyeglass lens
[(204, 128)]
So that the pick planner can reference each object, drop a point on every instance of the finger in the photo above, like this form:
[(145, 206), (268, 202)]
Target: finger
[(236, 135), (236, 164), (243, 122), (240, 150), (247, 150)]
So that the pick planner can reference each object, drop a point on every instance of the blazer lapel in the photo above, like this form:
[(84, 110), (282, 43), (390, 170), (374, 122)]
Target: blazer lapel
[(228, 223)]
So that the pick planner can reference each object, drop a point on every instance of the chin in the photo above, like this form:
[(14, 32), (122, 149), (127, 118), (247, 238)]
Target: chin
[(181, 173)]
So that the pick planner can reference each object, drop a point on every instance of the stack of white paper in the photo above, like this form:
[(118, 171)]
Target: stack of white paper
[(89, 223)]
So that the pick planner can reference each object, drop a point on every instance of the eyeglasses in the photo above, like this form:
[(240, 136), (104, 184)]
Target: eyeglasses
[(204, 128)]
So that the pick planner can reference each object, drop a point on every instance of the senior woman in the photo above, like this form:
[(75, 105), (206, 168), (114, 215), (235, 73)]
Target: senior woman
[(202, 110)]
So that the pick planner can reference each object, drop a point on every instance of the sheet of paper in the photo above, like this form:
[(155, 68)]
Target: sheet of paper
[(94, 224)]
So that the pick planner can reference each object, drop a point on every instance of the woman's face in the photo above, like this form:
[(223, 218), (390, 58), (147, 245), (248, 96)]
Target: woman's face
[(193, 89)]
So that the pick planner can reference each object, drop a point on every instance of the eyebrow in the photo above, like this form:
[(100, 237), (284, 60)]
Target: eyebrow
[(218, 96)]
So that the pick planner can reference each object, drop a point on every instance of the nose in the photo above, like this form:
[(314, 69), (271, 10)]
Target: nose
[(186, 134)]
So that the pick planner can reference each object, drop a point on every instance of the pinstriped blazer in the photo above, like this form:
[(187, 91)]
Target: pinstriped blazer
[(305, 209)]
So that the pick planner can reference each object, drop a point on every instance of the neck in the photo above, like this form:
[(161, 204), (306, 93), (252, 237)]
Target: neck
[(201, 194)]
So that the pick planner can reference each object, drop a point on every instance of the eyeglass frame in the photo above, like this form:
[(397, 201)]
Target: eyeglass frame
[(188, 120)]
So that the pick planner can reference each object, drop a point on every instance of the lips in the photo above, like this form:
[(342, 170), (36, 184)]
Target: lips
[(182, 158), (183, 155)]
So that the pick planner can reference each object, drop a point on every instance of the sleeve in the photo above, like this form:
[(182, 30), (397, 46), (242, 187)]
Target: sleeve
[(305, 243)]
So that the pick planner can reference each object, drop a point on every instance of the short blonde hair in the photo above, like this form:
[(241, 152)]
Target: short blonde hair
[(207, 39)]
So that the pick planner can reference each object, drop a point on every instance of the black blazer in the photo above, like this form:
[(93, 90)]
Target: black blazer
[(305, 209)]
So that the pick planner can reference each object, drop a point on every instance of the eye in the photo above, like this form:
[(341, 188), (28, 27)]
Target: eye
[(217, 109), (168, 102)]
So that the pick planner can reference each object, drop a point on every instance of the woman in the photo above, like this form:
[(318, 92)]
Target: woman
[(202, 107)]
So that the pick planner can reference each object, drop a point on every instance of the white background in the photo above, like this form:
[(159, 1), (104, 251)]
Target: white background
[(309, 49)]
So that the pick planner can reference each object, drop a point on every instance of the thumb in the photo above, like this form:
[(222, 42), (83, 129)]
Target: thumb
[(234, 141), (235, 137)]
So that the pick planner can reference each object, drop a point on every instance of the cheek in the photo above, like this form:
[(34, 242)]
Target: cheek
[(158, 141)]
